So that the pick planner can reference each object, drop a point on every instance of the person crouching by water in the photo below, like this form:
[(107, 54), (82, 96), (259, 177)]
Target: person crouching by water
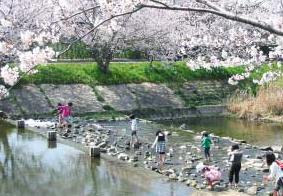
[(235, 157), (134, 128), (211, 174), (160, 143), (206, 143), (276, 173)]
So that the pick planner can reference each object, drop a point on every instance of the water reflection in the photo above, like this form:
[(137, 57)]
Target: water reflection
[(29, 165), (254, 132)]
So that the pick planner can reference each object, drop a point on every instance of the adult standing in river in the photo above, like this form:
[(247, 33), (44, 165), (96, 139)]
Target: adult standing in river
[(235, 157)]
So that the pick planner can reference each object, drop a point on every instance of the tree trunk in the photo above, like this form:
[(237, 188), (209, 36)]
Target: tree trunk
[(103, 57)]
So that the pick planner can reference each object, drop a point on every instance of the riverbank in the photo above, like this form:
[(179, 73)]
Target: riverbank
[(183, 154), (266, 105)]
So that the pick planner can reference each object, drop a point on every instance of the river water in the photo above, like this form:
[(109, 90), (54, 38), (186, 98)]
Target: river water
[(257, 133), (30, 166)]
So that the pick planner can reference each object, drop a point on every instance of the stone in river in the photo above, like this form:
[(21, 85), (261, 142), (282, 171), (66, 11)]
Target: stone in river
[(277, 149), (265, 170), (123, 156), (173, 176), (138, 153), (266, 148), (252, 190)]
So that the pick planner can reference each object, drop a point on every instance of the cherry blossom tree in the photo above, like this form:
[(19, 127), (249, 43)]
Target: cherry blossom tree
[(211, 33), (23, 39)]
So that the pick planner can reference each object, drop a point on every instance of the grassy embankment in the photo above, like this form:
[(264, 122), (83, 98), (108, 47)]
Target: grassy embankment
[(121, 73), (252, 102)]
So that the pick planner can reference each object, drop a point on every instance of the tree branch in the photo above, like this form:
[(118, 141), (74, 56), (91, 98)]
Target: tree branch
[(98, 25), (158, 2), (224, 14), (75, 14)]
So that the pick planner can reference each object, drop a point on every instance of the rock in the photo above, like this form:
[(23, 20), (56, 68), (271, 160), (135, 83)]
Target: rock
[(135, 164), (188, 182), (103, 150), (183, 126), (173, 176), (252, 190), (277, 149), (187, 170), (3, 115), (102, 145), (137, 145), (183, 147), (123, 156), (181, 179), (243, 141), (153, 168), (266, 148), (138, 153), (134, 158), (189, 131), (168, 172), (111, 149), (147, 153), (193, 183), (265, 170), (220, 188)]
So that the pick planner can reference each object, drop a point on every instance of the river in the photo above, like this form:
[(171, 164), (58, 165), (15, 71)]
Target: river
[(30, 166)]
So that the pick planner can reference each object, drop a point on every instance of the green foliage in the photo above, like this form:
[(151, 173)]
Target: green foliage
[(77, 51), (120, 73)]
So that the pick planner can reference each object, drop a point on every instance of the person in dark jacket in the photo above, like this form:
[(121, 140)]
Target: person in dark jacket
[(235, 157)]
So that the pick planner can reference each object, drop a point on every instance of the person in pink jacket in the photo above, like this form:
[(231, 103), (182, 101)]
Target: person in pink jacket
[(67, 114), (211, 174)]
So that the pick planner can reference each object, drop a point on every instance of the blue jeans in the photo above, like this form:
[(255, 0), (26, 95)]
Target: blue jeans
[(207, 152)]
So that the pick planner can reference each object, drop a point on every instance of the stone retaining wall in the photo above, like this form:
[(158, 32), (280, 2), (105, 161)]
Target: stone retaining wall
[(172, 100)]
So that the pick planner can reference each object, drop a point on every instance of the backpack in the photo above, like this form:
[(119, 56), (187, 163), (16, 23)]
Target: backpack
[(280, 164)]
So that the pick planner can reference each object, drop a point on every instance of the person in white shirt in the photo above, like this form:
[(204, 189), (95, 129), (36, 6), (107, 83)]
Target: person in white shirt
[(134, 128), (276, 173)]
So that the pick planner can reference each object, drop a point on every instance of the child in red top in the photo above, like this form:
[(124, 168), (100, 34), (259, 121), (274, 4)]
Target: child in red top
[(67, 113)]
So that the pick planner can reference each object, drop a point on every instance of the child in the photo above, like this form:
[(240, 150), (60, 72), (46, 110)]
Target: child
[(211, 174), (206, 143), (134, 128), (59, 113), (235, 157), (160, 143), (275, 173), (67, 114)]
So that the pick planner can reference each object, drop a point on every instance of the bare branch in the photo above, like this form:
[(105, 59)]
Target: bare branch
[(224, 14), (75, 14), (98, 25), (158, 2)]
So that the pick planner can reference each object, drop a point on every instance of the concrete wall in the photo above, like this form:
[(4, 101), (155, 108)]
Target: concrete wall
[(37, 100)]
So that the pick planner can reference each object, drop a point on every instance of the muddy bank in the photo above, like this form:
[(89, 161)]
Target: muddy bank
[(183, 153)]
